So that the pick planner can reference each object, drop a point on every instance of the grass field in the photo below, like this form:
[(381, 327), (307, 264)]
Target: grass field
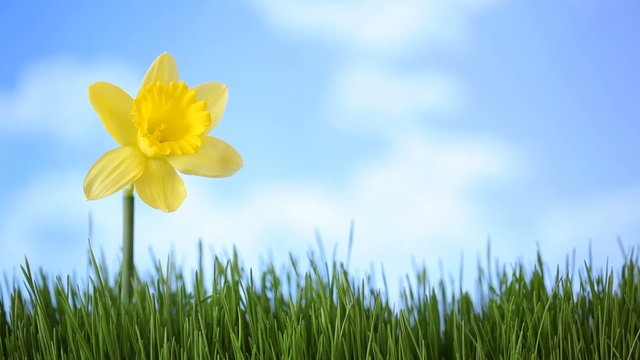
[(321, 311)]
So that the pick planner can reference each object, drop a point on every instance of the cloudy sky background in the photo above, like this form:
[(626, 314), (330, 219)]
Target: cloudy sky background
[(433, 125)]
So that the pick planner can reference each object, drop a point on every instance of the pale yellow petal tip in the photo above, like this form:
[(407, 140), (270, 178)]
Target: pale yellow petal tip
[(238, 162), (95, 87), (165, 206), (234, 157), (165, 56), (88, 194), (89, 189), (168, 208), (91, 193), (163, 69)]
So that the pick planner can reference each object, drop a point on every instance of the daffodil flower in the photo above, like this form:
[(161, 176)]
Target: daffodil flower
[(164, 129)]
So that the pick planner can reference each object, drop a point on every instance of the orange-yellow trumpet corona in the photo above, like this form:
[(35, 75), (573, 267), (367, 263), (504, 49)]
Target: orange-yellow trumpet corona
[(164, 129)]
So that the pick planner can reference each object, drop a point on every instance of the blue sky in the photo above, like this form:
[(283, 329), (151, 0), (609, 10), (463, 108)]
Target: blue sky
[(434, 125)]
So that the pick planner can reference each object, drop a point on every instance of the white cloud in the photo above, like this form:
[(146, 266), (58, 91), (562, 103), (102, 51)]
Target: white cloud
[(375, 99), (415, 202), (50, 99), (49, 225), (380, 26), (418, 202)]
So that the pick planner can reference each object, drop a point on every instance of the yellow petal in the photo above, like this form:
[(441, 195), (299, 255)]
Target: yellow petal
[(163, 69), (215, 158), (215, 95), (114, 106), (113, 171), (160, 186)]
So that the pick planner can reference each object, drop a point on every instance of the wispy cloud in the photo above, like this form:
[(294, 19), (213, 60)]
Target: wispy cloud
[(387, 28), (48, 224), (379, 100), (50, 98)]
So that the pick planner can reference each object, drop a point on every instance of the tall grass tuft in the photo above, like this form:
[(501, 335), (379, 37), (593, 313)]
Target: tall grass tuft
[(323, 312)]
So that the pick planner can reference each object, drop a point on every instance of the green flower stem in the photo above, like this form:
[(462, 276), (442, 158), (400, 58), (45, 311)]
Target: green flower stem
[(127, 244)]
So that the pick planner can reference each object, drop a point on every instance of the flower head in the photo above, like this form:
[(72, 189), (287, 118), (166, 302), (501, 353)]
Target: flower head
[(164, 129)]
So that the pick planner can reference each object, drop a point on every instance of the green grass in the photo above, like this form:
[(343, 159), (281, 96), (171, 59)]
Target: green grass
[(323, 312)]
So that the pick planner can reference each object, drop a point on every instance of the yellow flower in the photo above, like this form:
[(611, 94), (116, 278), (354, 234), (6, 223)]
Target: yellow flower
[(163, 129)]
